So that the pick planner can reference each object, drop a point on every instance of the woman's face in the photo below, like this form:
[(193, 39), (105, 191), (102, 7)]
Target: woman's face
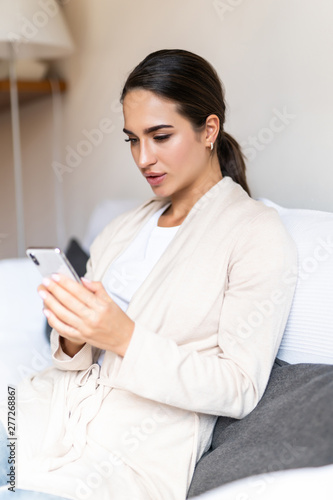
[(169, 153)]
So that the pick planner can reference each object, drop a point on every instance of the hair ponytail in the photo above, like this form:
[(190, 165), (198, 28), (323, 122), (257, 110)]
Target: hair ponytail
[(193, 84), (231, 159)]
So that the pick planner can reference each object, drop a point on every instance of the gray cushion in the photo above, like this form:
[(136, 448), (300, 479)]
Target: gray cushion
[(290, 428)]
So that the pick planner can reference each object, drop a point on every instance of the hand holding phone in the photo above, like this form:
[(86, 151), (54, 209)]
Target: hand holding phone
[(107, 327)]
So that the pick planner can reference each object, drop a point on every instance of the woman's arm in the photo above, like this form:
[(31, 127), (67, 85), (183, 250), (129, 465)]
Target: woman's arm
[(72, 355), (68, 354), (84, 320), (70, 348), (85, 315)]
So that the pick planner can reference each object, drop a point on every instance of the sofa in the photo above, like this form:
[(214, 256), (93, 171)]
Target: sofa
[(239, 465)]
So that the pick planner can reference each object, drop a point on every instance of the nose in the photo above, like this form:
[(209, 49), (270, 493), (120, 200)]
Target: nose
[(146, 155)]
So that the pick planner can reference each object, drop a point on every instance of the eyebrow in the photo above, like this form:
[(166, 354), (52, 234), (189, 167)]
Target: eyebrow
[(148, 130)]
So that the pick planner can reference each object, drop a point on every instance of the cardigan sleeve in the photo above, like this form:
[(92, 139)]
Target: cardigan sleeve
[(230, 379), (82, 360)]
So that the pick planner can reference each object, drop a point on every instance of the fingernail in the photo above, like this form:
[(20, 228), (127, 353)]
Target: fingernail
[(47, 313), (46, 281), (86, 280), (55, 277), (42, 294)]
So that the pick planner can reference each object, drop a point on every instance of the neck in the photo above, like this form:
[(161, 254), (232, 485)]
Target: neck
[(183, 201)]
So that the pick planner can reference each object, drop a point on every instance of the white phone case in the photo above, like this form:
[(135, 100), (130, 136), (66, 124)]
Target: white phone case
[(52, 261)]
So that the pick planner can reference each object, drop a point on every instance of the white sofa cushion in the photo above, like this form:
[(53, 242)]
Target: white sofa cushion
[(307, 484), (103, 213), (308, 337)]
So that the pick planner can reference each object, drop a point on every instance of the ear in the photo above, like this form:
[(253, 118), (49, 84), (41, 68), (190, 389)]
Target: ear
[(212, 129)]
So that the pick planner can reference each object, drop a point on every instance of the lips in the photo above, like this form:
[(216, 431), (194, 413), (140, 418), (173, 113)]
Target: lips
[(155, 178)]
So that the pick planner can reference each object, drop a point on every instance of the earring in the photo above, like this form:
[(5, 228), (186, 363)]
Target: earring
[(211, 146)]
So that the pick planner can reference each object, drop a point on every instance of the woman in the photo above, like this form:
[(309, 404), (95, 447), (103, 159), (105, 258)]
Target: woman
[(180, 314)]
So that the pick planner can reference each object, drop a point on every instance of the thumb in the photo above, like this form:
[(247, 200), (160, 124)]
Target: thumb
[(93, 286), (96, 287)]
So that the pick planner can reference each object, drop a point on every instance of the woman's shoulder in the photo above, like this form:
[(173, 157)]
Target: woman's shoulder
[(250, 221), (230, 201), (263, 228)]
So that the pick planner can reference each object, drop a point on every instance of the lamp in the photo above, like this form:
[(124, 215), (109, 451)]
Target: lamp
[(32, 29)]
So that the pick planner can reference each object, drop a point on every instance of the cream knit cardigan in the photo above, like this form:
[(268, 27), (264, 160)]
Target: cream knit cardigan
[(208, 323)]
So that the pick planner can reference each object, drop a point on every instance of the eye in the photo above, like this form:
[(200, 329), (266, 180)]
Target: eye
[(132, 140), (161, 138)]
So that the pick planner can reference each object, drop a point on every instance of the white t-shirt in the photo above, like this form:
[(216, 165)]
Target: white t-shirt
[(131, 268)]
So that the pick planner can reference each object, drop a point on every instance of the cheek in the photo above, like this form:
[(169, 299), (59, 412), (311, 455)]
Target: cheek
[(184, 154)]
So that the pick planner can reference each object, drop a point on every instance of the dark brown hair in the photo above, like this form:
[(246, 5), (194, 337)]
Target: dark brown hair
[(193, 84)]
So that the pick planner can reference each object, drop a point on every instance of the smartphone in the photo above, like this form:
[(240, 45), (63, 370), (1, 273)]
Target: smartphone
[(52, 261)]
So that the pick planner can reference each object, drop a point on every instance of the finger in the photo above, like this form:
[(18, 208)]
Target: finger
[(67, 331), (72, 295), (41, 289), (70, 309), (59, 310), (71, 287), (91, 285), (97, 288)]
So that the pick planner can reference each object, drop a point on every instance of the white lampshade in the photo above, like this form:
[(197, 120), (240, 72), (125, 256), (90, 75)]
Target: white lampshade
[(29, 29), (35, 28)]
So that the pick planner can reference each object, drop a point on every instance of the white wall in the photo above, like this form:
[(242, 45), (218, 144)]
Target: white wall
[(38, 189), (273, 57)]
